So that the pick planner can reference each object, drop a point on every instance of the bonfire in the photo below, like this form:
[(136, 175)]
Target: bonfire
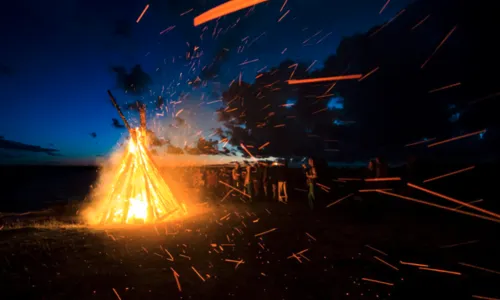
[(138, 194)]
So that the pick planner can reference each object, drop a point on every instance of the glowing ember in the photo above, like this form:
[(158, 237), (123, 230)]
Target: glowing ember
[(138, 193)]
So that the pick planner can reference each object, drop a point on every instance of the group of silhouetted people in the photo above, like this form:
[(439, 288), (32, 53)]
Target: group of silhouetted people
[(261, 180), (267, 180)]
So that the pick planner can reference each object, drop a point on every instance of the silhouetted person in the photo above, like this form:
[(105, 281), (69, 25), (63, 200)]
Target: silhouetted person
[(265, 179), (236, 176), (371, 169), (248, 181), (257, 180), (312, 176), (281, 176), (211, 183), (381, 168), (273, 179)]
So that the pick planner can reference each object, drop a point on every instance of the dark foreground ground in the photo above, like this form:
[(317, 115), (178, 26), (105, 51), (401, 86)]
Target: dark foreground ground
[(361, 237)]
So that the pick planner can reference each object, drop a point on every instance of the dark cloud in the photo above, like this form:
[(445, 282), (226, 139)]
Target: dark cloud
[(203, 146), (135, 82), (156, 141), (17, 146), (117, 124), (134, 106)]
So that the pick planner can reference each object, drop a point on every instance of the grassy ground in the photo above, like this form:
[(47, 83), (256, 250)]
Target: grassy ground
[(52, 259)]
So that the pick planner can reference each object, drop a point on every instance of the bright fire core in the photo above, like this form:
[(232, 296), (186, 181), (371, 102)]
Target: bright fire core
[(138, 194)]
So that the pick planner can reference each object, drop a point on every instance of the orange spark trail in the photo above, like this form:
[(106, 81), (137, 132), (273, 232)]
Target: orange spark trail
[(459, 244), (117, 295), (383, 179), (230, 186), (179, 112), (375, 249), (377, 281), (249, 62), (439, 46), (484, 211), (457, 138), (142, 14), (412, 264), (325, 96), (265, 232), (167, 29), (248, 152), (330, 88), (323, 79), (475, 201), (421, 22), (440, 271), (283, 16), (294, 65), (321, 110), (197, 273), (383, 7), (186, 12), (337, 201), (369, 73), (264, 145), (445, 87), (283, 6), (420, 142), (225, 9), (439, 206), (387, 23), (312, 238), (449, 174), (176, 276), (372, 190), (386, 263), (479, 268), (311, 65)]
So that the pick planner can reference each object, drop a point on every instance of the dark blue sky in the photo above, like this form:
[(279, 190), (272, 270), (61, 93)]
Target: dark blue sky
[(56, 62)]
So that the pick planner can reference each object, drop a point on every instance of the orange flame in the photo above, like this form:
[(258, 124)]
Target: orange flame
[(138, 194)]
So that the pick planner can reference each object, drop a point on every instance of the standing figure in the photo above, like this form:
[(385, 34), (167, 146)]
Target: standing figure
[(236, 176), (265, 178), (370, 169), (273, 179), (281, 176), (257, 180), (248, 181), (381, 167), (311, 175), (212, 183)]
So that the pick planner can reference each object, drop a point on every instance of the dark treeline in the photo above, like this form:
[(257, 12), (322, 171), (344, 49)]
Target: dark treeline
[(424, 77), (393, 106)]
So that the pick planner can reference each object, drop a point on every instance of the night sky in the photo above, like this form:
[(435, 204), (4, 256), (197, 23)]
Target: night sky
[(57, 60)]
